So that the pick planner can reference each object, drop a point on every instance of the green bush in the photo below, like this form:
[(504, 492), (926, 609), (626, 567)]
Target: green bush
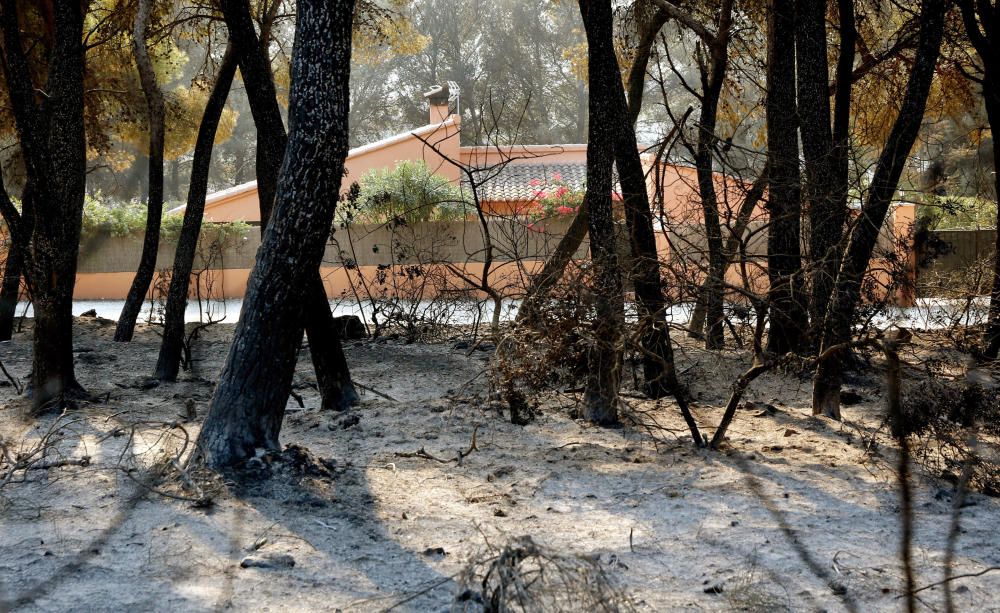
[(409, 191), (129, 218), (958, 212)]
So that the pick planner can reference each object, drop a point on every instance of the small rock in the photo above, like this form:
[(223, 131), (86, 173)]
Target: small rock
[(90, 313), (790, 432), (190, 412), (850, 397), (349, 327), (348, 421), (268, 560), (499, 513)]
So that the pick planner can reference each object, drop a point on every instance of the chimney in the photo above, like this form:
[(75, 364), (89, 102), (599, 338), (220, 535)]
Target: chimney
[(437, 100)]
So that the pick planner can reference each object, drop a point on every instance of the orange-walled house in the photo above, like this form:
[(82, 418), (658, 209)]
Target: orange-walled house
[(514, 174)]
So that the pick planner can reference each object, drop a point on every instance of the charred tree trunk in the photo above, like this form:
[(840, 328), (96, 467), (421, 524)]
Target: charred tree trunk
[(552, 272), (172, 346), (991, 92), (255, 69), (714, 286), (861, 244), (249, 403), (52, 138), (635, 83), (333, 377), (659, 374), (154, 199), (10, 291), (604, 357), (784, 261), (732, 247), (981, 22), (543, 282), (825, 151)]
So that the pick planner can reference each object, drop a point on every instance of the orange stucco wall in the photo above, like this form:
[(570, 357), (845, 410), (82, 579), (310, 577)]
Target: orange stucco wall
[(435, 144)]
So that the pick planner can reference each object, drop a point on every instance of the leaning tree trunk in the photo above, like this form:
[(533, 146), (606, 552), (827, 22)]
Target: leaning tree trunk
[(600, 403), (249, 402), (543, 282), (784, 262), (659, 375), (10, 291), (53, 146), (172, 346), (271, 142), (333, 378), (154, 203), (860, 246)]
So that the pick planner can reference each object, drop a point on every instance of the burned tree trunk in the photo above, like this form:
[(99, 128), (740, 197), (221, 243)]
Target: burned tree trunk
[(543, 282), (52, 138), (991, 90), (784, 261), (825, 151), (604, 357), (861, 244), (154, 199), (659, 375), (10, 291), (271, 142), (249, 403), (981, 19), (172, 346)]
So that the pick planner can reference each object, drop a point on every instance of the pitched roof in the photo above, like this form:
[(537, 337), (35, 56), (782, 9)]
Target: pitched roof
[(523, 181)]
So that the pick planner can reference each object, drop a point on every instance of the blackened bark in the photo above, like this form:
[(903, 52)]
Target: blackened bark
[(636, 80), (861, 244), (991, 92), (732, 247), (784, 260), (255, 68), (981, 22), (154, 199), (824, 149), (249, 403), (51, 135), (172, 345), (10, 291), (600, 403), (543, 282), (333, 378), (659, 374), (713, 76)]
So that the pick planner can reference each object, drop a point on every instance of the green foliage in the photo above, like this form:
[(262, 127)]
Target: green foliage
[(410, 192), (115, 219), (129, 218), (958, 212)]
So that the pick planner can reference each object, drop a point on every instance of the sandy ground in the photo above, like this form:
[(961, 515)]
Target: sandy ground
[(377, 527)]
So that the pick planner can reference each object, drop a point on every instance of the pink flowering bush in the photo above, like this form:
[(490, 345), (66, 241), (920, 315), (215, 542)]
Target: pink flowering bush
[(554, 198)]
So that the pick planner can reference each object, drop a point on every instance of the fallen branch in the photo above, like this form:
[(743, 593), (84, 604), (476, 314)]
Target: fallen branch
[(375, 391), (953, 578), (423, 453)]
